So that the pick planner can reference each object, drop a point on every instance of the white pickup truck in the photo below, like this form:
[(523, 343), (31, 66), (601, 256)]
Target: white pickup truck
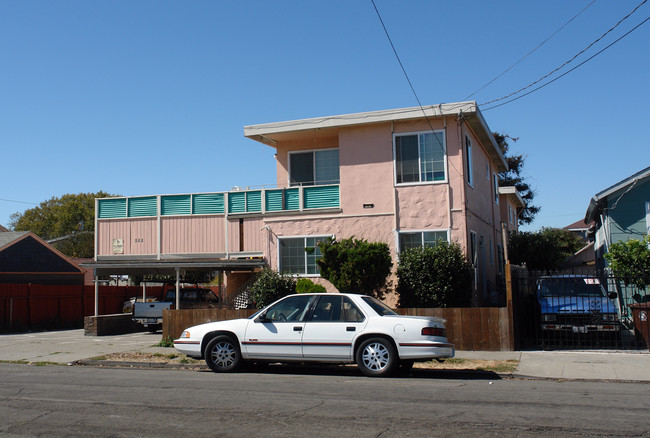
[(150, 314)]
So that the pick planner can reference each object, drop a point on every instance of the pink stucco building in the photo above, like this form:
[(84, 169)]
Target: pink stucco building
[(406, 177)]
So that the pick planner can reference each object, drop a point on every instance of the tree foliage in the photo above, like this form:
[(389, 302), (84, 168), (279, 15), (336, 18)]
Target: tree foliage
[(271, 286), (513, 177), (70, 218), (544, 250), (438, 276), (356, 265), (630, 260)]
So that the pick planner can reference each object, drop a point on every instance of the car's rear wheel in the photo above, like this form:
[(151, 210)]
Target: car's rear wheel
[(222, 354), (376, 357)]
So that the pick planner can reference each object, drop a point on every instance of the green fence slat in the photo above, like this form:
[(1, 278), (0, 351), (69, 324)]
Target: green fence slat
[(174, 205)]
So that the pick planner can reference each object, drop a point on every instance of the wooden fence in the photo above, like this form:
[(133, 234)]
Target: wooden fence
[(483, 328), (35, 306)]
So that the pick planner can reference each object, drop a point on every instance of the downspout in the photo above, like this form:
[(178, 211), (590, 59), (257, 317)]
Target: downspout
[(395, 200)]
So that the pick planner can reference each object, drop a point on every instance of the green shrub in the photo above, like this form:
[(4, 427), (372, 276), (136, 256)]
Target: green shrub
[(271, 286), (439, 276), (355, 265), (306, 286)]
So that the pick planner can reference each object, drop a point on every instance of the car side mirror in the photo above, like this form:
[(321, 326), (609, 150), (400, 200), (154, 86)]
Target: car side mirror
[(612, 295), (262, 317)]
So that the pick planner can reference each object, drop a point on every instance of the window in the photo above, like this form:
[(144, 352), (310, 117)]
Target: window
[(299, 255), (472, 248), (289, 309), (314, 167), (468, 169), (491, 253), (495, 184), (420, 157), (417, 239), (334, 307), (499, 259)]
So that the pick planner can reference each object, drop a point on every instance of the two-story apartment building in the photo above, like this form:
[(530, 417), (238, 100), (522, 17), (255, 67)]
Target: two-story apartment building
[(407, 177)]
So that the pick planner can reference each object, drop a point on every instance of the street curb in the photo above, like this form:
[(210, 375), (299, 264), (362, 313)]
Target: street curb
[(151, 365)]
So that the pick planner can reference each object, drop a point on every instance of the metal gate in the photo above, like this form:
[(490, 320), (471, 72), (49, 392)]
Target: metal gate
[(581, 309)]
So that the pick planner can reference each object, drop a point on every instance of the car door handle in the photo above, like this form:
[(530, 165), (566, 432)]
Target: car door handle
[(297, 329), (351, 329)]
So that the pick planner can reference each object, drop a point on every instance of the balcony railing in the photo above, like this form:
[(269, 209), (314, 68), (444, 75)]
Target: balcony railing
[(262, 201)]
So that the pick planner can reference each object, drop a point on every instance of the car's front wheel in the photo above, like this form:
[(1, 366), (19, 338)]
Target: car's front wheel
[(222, 354), (376, 357)]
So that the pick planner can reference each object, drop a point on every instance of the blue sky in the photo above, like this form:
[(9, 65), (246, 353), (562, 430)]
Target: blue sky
[(151, 97)]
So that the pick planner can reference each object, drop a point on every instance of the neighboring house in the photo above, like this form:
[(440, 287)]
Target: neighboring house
[(26, 258), (3, 229), (620, 213), (406, 177), (581, 229)]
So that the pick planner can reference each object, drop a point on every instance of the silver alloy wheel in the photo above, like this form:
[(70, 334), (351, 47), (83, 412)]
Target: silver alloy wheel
[(223, 354), (375, 356)]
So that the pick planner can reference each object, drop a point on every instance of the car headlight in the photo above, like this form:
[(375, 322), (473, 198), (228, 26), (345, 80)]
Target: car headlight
[(185, 334), (609, 317), (548, 317)]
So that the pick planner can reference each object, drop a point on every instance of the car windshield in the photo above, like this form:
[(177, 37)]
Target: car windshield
[(571, 287), (379, 307)]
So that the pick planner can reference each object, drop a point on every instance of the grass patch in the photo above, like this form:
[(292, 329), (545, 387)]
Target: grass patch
[(98, 358), (43, 363), (507, 366), (19, 362), (165, 342), (167, 356)]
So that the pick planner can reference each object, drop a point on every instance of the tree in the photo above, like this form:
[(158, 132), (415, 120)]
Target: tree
[(437, 276), (68, 222), (306, 286), (355, 265), (544, 250), (513, 177), (631, 261), (271, 286)]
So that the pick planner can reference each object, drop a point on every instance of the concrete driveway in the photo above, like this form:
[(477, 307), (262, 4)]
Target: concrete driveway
[(70, 345)]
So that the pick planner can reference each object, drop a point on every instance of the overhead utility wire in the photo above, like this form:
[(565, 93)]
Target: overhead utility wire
[(569, 71), (529, 53), (570, 60), (19, 202), (397, 56), (410, 84)]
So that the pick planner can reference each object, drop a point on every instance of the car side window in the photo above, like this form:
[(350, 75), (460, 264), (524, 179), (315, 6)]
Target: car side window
[(350, 312), (328, 308), (289, 309)]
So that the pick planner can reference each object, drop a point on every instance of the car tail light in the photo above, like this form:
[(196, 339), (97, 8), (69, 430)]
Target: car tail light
[(433, 331)]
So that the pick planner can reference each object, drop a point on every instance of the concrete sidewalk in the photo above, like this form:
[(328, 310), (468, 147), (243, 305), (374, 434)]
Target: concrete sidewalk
[(71, 345)]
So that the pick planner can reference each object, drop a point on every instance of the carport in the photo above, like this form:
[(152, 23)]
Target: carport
[(175, 267)]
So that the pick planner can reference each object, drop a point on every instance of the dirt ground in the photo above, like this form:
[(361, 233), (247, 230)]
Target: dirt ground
[(503, 366)]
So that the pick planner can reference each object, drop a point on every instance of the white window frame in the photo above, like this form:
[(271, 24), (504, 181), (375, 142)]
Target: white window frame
[(304, 237), (470, 165), (495, 187), (437, 230), (418, 133), (302, 151)]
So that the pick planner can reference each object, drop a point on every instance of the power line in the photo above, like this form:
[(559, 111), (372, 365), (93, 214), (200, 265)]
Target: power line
[(19, 202), (569, 71), (569, 61), (529, 53)]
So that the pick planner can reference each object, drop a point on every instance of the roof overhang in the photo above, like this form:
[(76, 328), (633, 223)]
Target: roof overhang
[(168, 267), (272, 133), (512, 193), (596, 203)]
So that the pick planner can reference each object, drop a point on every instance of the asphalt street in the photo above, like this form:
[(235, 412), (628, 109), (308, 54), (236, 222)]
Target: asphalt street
[(298, 401)]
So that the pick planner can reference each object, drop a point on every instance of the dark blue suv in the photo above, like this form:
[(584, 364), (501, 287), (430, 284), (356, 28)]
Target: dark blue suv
[(576, 304)]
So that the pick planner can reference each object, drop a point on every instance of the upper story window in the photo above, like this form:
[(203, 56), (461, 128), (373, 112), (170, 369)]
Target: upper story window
[(495, 184), (418, 239), (308, 168), (420, 157), (468, 162)]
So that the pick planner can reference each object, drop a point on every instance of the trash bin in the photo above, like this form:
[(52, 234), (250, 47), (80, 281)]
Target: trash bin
[(640, 314)]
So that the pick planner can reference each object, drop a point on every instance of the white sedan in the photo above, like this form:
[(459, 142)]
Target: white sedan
[(334, 328)]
